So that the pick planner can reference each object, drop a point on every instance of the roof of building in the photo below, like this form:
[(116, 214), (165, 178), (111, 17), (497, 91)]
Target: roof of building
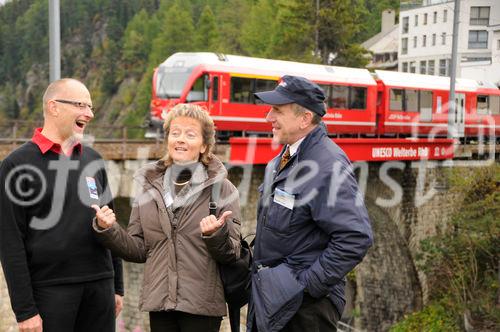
[(384, 42)]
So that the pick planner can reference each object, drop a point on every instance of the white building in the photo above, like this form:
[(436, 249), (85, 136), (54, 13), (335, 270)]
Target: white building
[(425, 35), (384, 45)]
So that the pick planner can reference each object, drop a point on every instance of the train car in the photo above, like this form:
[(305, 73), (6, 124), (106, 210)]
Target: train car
[(225, 85), (484, 118), (417, 105), (359, 104)]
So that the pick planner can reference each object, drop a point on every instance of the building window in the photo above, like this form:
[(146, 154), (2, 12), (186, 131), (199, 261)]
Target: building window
[(424, 41), (415, 42), (405, 67), (478, 39), (404, 46), (430, 67), (445, 15), (412, 67), (476, 59), (433, 39), (443, 67), (416, 20), (498, 44), (435, 17), (443, 38), (423, 67), (405, 24), (479, 15), (425, 19)]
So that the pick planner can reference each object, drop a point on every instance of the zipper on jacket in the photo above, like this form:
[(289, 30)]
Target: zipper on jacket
[(174, 225)]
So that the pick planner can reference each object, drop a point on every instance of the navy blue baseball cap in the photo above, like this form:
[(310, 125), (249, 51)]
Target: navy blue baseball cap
[(296, 89)]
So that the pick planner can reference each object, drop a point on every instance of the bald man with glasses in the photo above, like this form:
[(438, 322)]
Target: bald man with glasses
[(59, 276)]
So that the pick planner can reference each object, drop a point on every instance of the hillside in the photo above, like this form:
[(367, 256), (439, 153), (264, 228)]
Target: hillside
[(114, 45)]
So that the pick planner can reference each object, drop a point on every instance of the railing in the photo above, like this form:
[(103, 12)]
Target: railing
[(116, 142), (14, 131)]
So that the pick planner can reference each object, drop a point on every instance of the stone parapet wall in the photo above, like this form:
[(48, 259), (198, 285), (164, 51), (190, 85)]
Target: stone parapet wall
[(7, 318)]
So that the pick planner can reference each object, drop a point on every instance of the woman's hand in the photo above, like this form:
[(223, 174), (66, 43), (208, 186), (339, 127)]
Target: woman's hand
[(210, 224), (105, 216)]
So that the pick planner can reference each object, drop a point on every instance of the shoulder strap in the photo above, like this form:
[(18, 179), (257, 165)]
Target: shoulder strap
[(214, 197)]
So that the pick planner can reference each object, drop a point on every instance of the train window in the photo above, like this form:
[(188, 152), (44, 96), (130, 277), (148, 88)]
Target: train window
[(495, 105), (328, 94), (339, 96), (425, 101), (215, 88), (411, 101), (241, 90), (396, 102), (357, 98), (263, 85), (482, 105), (198, 90)]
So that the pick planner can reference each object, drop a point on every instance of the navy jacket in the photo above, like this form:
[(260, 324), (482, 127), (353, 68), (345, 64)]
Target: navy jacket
[(315, 244)]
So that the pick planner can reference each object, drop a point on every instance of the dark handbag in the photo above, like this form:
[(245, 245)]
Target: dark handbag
[(235, 276)]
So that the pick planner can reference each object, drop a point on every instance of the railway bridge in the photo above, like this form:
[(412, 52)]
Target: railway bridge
[(408, 200)]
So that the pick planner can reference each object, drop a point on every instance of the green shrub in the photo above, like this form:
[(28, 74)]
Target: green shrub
[(433, 318), (462, 260)]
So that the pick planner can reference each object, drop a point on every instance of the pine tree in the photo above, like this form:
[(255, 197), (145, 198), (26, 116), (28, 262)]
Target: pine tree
[(293, 38), (176, 35), (137, 41), (338, 23), (229, 21), (258, 29), (207, 36)]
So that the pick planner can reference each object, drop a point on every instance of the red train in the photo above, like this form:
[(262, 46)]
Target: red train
[(360, 103)]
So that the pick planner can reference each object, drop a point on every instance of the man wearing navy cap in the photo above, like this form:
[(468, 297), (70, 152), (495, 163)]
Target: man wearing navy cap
[(312, 225)]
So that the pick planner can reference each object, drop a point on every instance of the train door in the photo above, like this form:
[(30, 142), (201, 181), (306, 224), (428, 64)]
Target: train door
[(215, 97), (425, 104), (459, 120)]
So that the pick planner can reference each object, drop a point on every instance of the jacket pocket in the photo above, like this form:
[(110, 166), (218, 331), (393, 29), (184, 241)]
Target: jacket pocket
[(279, 218), (277, 295)]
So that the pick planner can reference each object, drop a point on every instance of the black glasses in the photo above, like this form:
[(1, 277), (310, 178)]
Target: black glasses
[(80, 104)]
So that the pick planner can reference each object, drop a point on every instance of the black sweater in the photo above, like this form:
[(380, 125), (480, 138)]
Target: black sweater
[(46, 233)]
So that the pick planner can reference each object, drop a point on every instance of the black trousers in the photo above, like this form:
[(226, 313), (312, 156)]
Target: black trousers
[(88, 306), (178, 321), (314, 315)]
